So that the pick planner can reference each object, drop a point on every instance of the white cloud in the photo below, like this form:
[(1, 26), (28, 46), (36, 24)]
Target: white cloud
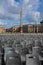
[(13, 3), (25, 1), (9, 8), (37, 16), (1, 23), (2, 10), (31, 10)]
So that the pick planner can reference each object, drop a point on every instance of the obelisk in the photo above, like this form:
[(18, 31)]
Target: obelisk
[(21, 30)]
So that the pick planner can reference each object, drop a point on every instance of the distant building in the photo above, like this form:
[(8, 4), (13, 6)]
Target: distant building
[(2, 29), (13, 29), (28, 28), (33, 28)]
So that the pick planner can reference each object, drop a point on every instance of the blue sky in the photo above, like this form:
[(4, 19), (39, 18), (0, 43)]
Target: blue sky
[(10, 9)]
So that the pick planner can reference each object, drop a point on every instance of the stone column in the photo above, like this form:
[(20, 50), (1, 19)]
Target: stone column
[(34, 29), (37, 28)]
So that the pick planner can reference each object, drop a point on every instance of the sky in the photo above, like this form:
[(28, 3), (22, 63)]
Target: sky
[(10, 12)]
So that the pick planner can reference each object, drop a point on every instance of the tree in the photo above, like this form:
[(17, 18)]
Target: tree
[(41, 22)]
